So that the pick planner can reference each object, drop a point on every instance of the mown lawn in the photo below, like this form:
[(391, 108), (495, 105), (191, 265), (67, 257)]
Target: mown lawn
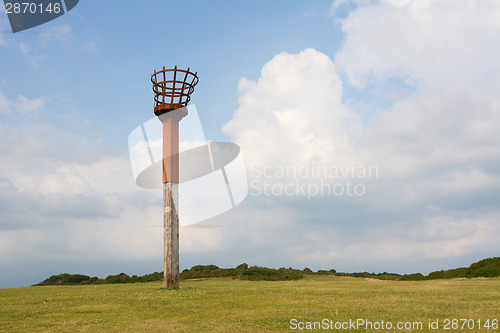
[(226, 305)]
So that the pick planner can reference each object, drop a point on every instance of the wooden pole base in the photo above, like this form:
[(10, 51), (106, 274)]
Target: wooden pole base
[(171, 235)]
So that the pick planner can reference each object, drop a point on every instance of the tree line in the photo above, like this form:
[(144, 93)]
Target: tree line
[(485, 268)]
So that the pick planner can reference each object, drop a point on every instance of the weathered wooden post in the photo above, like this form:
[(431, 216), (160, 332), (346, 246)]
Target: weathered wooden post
[(172, 89)]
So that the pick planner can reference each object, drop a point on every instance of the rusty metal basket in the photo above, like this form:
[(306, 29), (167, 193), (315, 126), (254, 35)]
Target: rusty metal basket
[(172, 88)]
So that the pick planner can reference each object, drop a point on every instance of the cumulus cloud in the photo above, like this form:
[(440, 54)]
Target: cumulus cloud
[(295, 108), (66, 199), (434, 43), (435, 147)]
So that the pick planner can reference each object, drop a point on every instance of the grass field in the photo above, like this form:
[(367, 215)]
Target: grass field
[(226, 305)]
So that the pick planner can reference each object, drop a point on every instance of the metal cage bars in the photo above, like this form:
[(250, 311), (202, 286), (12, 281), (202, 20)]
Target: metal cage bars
[(174, 93)]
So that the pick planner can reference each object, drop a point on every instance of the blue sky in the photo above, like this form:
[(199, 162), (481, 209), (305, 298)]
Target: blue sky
[(407, 86), (105, 47)]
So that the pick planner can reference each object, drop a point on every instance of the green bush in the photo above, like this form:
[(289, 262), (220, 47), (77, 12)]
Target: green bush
[(92, 280), (485, 268), (242, 266), (448, 274), (63, 279), (324, 272), (412, 277), (256, 273), (120, 278)]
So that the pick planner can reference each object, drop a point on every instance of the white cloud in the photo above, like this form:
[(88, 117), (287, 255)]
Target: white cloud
[(4, 104), (24, 48), (33, 47), (436, 147), (437, 43), (25, 105), (21, 105), (67, 200), (33, 55), (62, 174), (60, 32), (459, 182), (446, 127), (295, 108)]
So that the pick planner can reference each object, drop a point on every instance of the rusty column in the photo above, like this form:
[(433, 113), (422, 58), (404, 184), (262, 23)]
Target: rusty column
[(172, 88)]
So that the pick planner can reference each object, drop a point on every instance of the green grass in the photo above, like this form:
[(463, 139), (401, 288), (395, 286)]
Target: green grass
[(227, 305)]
